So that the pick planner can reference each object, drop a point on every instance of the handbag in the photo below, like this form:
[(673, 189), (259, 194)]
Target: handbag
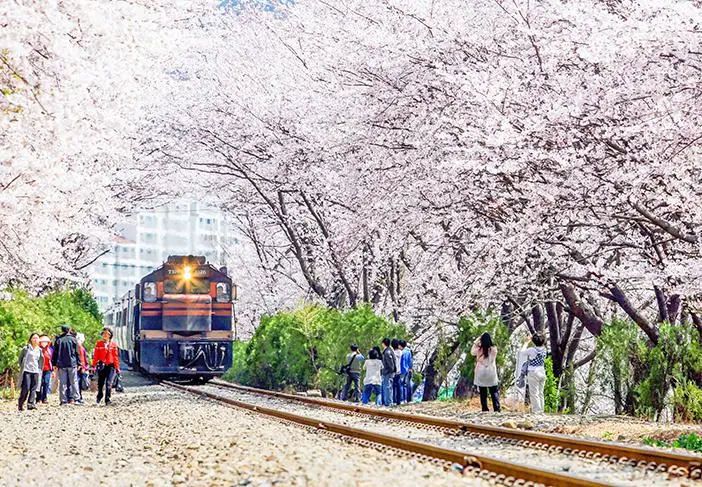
[(521, 381)]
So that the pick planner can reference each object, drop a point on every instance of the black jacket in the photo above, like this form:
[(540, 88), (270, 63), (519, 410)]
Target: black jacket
[(388, 362), (65, 352)]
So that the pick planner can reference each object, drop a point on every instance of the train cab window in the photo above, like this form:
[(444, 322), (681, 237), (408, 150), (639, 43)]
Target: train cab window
[(149, 292), (199, 286), (223, 292), (174, 286)]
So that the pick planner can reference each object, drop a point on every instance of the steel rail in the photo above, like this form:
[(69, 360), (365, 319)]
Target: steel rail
[(643, 457), (502, 471)]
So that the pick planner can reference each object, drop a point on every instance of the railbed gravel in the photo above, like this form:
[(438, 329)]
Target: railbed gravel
[(153, 436), (561, 463)]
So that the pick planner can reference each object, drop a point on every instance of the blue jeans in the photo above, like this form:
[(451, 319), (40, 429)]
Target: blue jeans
[(407, 385), (369, 389), (397, 389), (352, 378), (45, 389), (387, 389)]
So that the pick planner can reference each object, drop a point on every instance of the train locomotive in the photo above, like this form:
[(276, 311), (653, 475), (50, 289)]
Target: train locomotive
[(177, 323)]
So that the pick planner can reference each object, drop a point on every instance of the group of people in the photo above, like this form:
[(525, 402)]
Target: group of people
[(532, 371), (388, 373), (67, 359)]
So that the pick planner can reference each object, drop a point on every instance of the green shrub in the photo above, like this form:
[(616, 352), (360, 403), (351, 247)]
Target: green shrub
[(641, 374), (687, 402), (304, 348), (691, 441), (551, 396), (654, 442), (23, 315)]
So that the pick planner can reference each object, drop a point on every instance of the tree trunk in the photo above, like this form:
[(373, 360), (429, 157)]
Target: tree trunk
[(591, 321), (698, 323), (617, 390), (661, 301), (554, 328), (590, 382), (433, 375), (621, 299)]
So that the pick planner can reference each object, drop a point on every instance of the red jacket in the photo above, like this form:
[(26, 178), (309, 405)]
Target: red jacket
[(82, 357), (107, 353), (47, 358)]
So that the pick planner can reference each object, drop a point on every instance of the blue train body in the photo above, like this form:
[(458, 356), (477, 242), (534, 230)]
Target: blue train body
[(178, 320)]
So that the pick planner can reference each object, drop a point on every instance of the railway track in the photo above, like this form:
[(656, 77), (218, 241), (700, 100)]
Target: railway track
[(499, 471), (674, 464)]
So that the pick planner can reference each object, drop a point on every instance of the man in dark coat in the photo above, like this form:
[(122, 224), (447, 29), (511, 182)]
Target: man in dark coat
[(65, 359), (387, 372)]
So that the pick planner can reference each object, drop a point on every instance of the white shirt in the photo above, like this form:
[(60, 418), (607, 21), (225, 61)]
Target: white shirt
[(485, 367), (372, 368), (398, 358)]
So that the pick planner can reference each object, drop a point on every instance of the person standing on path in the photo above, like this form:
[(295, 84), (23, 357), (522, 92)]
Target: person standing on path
[(82, 364), (535, 372), (396, 385), (106, 363), (31, 362), (387, 372), (372, 380), (353, 374), (65, 358), (47, 369), (485, 376), (406, 370)]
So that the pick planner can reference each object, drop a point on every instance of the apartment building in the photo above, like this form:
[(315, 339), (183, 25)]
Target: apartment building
[(183, 228)]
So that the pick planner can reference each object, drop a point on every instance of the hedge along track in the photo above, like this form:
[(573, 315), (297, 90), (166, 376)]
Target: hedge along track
[(676, 464), (497, 471)]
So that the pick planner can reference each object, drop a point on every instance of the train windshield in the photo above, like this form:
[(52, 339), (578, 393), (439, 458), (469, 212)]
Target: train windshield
[(174, 287), (199, 286), (180, 286)]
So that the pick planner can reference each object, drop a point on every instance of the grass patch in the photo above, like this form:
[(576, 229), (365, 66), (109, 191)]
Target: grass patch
[(692, 442)]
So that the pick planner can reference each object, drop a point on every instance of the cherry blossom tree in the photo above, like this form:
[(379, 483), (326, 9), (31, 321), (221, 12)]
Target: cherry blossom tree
[(74, 78)]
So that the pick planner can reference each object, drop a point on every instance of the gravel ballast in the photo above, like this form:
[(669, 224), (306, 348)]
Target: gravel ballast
[(559, 463), (151, 436)]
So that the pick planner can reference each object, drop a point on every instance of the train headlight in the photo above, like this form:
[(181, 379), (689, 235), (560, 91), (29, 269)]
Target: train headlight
[(187, 273)]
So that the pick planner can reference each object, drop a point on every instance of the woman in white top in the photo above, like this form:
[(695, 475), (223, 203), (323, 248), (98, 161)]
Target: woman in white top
[(535, 372), (372, 380), (31, 362), (485, 376)]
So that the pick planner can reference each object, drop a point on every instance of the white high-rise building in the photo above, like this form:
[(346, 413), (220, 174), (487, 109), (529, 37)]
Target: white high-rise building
[(181, 228)]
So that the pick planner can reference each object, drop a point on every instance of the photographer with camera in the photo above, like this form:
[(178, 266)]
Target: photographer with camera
[(352, 369)]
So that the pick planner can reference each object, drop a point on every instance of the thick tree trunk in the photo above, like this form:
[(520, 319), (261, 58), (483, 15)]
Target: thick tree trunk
[(554, 328), (621, 299), (697, 321), (538, 318), (433, 375), (661, 301), (591, 321), (674, 308)]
